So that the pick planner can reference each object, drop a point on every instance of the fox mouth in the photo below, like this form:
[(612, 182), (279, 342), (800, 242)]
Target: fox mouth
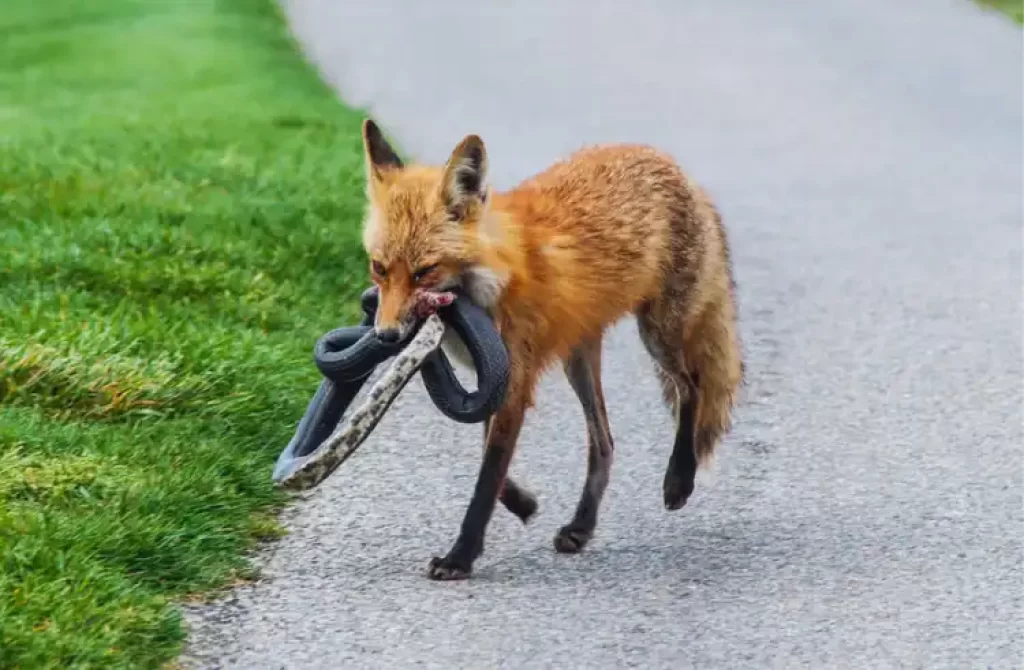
[(425, 303)]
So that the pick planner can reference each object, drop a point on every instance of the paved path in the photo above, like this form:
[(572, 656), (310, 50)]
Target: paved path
[(866, 511)]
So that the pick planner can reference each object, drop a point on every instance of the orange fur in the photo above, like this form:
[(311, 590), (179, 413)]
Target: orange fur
[(608, 231), (575, 248)]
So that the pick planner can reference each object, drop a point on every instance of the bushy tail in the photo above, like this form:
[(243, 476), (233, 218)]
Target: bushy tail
[(716, 365), (690, 329)]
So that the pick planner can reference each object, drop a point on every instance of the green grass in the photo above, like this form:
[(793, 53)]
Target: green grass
[(1012, 8), (179, 211)]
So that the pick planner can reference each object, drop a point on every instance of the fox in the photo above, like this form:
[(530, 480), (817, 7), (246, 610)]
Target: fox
[(609, 231)]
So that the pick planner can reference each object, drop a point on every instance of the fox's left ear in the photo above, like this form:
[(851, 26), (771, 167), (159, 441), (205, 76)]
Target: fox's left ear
[(465, 177)]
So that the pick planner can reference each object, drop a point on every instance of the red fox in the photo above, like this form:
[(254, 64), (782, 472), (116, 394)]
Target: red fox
[(609, 231)]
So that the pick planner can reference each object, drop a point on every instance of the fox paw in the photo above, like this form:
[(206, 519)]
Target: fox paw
[(571, 539), (448, 569), (521, 503), (677, 490)]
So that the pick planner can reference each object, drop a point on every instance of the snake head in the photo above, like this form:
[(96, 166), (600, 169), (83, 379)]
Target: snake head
[(428, 302)]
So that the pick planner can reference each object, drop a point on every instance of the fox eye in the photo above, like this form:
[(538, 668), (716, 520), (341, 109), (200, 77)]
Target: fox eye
[(422, 272), (378, 268)]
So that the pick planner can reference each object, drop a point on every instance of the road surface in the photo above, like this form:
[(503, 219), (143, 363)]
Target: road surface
[(866, 510)]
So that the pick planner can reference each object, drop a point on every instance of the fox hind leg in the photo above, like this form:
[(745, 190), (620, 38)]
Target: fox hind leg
[(583, 370), (660, 335), (681, 472)]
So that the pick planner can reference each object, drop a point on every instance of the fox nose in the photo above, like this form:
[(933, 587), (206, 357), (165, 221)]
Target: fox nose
[(388, 335)]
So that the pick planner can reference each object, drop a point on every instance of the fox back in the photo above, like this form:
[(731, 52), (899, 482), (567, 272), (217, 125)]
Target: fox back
[(555, 260)]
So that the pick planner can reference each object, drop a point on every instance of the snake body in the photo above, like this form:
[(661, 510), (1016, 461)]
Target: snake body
[(308, 471)]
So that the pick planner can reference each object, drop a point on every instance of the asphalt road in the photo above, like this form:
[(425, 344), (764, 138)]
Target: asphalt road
[(866, 511)]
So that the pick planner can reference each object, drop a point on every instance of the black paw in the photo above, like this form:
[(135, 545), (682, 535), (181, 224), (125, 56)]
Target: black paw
[(677, 489), (448, 569), (520, 503), (571, 539)]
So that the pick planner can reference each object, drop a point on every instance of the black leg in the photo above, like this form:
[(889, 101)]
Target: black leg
[(583, 371), (682, 465), (501, 443)]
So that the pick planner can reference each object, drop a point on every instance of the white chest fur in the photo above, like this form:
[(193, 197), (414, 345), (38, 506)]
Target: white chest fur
[(456, 351), (483, 286)]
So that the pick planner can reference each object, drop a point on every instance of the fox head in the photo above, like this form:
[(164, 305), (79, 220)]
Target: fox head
[(423, 229)]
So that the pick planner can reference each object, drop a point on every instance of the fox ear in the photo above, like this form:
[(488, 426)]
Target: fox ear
[(465, 176), (379, 154)]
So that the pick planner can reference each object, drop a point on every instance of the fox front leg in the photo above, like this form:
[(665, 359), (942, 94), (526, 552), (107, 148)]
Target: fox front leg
[(502, 434)]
